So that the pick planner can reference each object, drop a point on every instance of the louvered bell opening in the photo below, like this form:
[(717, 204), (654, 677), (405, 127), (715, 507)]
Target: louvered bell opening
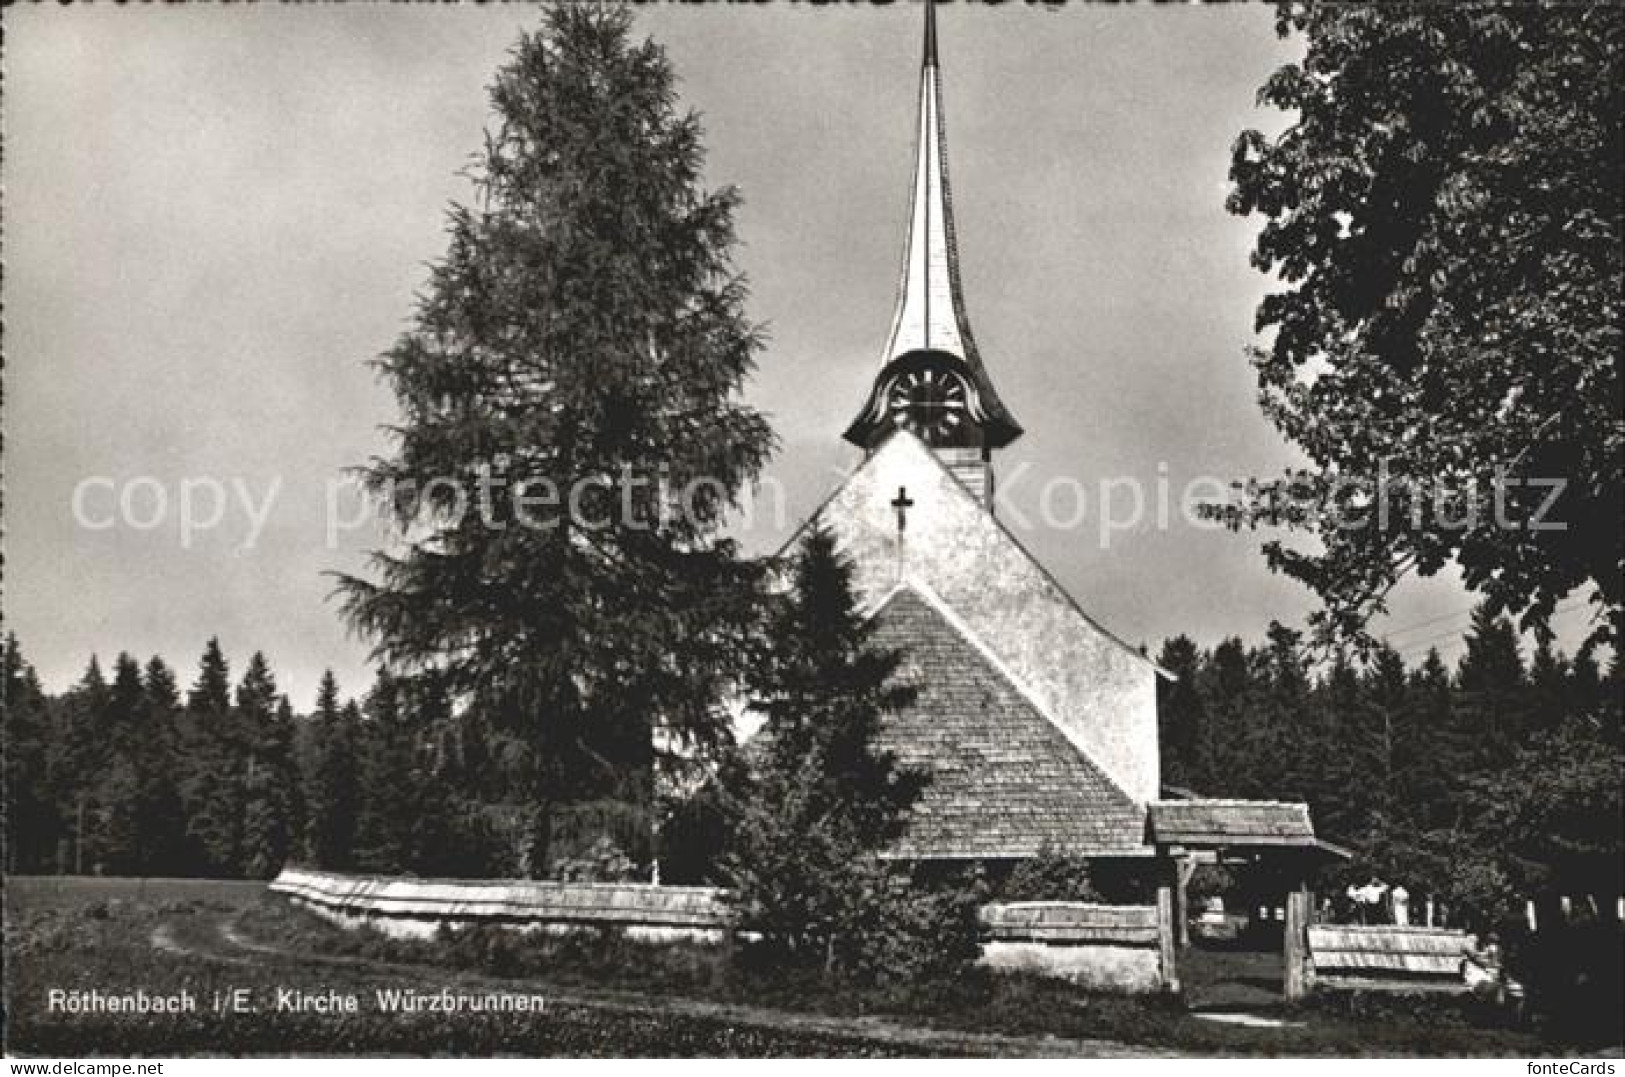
[(973, 467)]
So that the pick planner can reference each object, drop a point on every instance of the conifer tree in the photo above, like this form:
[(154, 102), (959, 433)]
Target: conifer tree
[(1387, 694), (582, 343), (1549, 690), (211, 693), (1434, 752), (1587, 694), (257, 692), (265, 825), (93, 683), (287, 758), (1347, 763), (1223, 685), (33, 823), (334, 798), (1283, 737), (75, 759), (814, 800), (1180, 721), (392, 784), (1491, 681), (126, 702), (118, 834), (213, 790), (162, 690), (266, 758)]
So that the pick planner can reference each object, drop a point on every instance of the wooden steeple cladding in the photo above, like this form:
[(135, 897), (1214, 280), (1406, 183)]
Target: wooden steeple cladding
[(932, 381)]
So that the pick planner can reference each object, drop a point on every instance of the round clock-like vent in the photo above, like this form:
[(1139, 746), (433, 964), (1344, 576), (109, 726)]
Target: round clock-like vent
[(931, 403)]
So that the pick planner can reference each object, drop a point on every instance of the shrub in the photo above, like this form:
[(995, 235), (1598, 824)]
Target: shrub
[(1050, 876), (920, 930), (813, 801), (601, 862)]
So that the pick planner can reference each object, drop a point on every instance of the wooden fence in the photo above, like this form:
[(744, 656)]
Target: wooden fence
[(1111, 947), (1386, 955), (1062, 923), (1114, 947), (405, 906)]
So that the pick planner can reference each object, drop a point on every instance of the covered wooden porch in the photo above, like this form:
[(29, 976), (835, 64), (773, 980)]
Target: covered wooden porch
[(1276, 834)]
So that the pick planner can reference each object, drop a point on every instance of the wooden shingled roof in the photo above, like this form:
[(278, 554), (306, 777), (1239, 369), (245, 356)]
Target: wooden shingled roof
[(1231, 823), (1005, 781)]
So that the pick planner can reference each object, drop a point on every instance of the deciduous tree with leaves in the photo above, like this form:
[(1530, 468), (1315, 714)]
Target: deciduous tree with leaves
[(1443, 212)]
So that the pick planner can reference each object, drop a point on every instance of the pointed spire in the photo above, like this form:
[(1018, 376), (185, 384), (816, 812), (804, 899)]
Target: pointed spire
[(930, 315), (930, 310)]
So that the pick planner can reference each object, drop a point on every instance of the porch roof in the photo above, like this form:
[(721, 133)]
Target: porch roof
[(1213, 824)]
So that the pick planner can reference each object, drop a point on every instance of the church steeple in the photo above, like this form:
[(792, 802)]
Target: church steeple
[(932, 380)]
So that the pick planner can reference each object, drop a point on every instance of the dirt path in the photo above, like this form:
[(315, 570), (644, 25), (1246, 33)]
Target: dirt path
[(224, 940)]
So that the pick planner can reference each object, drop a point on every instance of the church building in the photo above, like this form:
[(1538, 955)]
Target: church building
[(1037, 724)]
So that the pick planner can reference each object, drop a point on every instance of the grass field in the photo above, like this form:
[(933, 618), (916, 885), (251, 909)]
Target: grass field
[(35, 893), (162, 937), (603, 997)]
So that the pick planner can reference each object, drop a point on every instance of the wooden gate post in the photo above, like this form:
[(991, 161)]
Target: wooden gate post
[(1184, 868), (1167, 939), (1296, 950)]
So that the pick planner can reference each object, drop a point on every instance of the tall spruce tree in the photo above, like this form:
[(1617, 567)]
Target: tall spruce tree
[(1224, 684), (334, 796), (392, 784), (75, 759), (162, 689), (213, 789), (33, 822), (109, 836), (93, 682), (1387, 707), (1491, 682), (1181, 725), (269, 775), (571, 433), (1549, 691), (1349, 766), (126, 703), (168, 766), (211, 693), (291, 763), (138, 819), (257, 692), (1283, 736)]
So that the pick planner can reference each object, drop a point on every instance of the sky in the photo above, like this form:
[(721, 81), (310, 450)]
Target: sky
[(215, 216)]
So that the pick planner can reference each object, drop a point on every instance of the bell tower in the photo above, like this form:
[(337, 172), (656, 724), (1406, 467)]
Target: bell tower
[(932, 381)]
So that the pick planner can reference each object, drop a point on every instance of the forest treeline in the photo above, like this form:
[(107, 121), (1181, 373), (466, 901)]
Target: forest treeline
[(1485, 785), (126, 773), (1482, 785)]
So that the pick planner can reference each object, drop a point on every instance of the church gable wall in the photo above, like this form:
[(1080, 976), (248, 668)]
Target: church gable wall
[(1101, 694)]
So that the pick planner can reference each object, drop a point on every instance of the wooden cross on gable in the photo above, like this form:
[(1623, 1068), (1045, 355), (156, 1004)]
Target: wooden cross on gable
[(902, 503)]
